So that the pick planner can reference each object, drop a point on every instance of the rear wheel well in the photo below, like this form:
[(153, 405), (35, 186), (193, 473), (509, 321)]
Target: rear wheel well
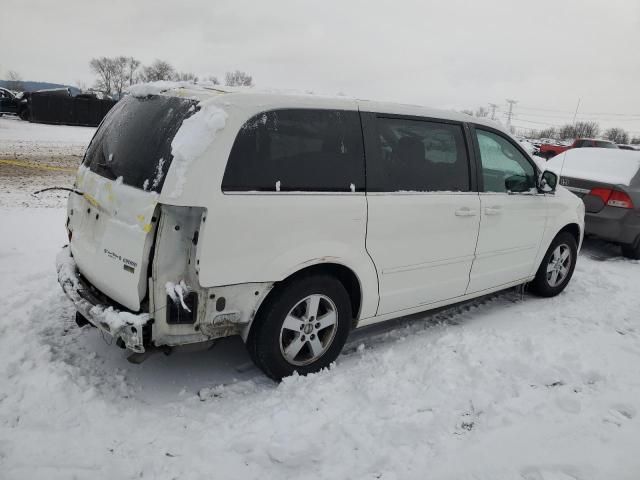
[(343, 274)]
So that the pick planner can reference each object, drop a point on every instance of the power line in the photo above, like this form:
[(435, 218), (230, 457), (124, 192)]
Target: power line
[(582, 113)]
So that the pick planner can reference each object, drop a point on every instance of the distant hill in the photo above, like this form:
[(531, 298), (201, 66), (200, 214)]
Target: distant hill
[(33, 86)]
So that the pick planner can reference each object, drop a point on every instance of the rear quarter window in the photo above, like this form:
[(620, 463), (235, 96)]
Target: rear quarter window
[(297, 150)]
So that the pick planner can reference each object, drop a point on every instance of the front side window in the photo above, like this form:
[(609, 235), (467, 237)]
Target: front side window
[(601, 144), (504, 167), (297, 150), (419, 156)]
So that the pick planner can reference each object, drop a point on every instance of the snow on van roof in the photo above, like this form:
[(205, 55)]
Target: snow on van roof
[(606, 165), (269, 98)]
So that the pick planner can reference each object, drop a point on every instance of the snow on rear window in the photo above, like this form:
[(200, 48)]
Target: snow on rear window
[(194, 137), (142, 90), (134, 140)]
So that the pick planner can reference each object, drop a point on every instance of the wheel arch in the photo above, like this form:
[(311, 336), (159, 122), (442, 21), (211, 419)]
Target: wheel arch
[(573, 229), (345, 275)]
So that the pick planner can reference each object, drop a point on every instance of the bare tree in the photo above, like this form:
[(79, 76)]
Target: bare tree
[(14, 81), (114, 74), (186, 77), (587, 129), (120, 67), (578, 130), (103, 67), (635, 141), (566, 132), (617, 135), (213, 79), (547, 133), (131, 67), (158, 70), (238, 79)]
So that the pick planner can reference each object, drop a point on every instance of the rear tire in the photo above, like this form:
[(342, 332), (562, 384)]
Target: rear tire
[(302, 326), (557, 266), (632, 251)]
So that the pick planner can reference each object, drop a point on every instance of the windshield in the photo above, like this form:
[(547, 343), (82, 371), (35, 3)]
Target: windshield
[(134, 140)]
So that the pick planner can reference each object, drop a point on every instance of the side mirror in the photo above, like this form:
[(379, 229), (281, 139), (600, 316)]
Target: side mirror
[(517, 184), (548, 182)]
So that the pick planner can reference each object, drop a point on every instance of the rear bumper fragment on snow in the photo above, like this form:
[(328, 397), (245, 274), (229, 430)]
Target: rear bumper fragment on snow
[(112, 320)]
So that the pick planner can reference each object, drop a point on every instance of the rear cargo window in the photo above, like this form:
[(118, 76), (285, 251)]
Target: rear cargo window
[(297, 150), (134, 140)]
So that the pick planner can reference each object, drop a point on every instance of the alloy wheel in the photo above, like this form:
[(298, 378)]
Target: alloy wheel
[(308, 330), (559, 265)]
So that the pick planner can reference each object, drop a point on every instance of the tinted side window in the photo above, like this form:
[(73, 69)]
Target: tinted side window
[(297, 150), (416, 155), (503, 163), (583, 143)]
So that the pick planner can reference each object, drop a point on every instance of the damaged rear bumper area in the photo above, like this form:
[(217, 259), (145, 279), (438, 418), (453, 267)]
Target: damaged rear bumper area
[(111, 319)]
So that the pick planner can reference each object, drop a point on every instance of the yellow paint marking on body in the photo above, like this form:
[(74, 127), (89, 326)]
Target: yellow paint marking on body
[(37, 166), (91, 199)]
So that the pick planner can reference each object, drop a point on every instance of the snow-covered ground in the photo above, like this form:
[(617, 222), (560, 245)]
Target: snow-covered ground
[(506, 387), (35, 156), (20, 138)]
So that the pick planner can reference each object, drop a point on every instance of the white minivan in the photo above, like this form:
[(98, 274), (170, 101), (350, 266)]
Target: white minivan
[(290, 220)]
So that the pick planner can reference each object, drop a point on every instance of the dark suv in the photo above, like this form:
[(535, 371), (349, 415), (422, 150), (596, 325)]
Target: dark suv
[(9, 103)]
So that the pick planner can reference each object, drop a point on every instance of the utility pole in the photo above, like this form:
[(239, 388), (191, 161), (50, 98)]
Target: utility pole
[(576, 112), (510, 114), (493, 110)]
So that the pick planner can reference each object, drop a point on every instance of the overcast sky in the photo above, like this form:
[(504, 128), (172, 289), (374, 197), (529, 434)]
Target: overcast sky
[(452, 54)]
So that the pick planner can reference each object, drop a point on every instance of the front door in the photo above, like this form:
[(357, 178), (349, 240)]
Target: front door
[(423, 212), (513, 214)]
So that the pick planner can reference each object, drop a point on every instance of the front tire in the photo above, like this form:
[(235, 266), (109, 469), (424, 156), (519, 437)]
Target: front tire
[(302, 326), (557, 266)]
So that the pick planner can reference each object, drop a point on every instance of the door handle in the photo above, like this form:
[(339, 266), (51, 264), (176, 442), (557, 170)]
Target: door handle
[(465, 212), (493, 210)]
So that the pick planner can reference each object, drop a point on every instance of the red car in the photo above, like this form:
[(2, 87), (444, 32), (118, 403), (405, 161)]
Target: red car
[(548, 151)]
